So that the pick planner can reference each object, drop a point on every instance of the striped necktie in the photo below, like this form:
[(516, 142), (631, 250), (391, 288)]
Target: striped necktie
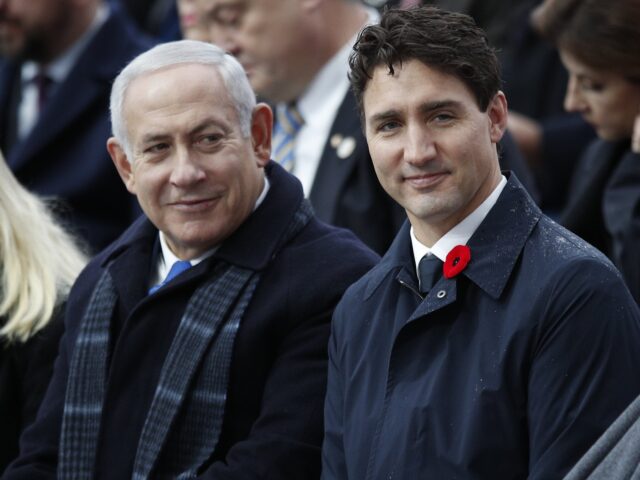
[(288, 123)]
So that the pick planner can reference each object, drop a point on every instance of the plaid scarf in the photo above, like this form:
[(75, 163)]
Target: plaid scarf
[(193, 381)]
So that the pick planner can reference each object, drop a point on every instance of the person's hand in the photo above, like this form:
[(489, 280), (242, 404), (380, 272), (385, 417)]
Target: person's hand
[(635, 137)]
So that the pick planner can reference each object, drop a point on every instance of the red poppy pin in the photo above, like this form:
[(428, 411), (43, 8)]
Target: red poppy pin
[(456, 261)]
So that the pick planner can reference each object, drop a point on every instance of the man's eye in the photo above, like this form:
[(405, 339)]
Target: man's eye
[(388, 126), (443, 117), (228, 17), (157, 148), (209, 139)]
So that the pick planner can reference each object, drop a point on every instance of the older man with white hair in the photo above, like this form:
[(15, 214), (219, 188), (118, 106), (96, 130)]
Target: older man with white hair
[(196, 343)]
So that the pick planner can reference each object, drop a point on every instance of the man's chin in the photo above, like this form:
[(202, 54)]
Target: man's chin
[(610, 135)]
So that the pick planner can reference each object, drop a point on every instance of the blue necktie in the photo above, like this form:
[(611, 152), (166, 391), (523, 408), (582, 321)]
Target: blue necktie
[(176, 269), (288, 123), (429, 271)]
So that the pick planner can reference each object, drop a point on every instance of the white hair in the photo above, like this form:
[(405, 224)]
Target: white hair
[(180, 52), (39, 260)]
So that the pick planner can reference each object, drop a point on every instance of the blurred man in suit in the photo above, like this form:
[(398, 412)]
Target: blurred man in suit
[(60, 59), (296, 55)]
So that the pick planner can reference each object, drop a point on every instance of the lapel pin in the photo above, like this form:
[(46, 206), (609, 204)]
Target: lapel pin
[(346, 147), (335, 140)]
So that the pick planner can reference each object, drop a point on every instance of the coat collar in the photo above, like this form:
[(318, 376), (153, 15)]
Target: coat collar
[(495, 246)]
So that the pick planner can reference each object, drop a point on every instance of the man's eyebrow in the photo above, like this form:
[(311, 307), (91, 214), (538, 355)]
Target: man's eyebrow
[(214, 11), (426, 107), (438, 105), (154, 137), (204, 125), (383, 116), (159, 137)]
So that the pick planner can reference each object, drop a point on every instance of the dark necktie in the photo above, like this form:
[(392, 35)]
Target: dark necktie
[(429, 271), (176, 269), (43, 83)]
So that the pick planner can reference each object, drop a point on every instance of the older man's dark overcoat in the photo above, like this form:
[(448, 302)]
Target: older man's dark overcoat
[(272, 426)]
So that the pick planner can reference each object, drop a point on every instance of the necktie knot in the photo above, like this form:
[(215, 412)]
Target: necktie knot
[(429, 271), (288, 124), (176, 269)]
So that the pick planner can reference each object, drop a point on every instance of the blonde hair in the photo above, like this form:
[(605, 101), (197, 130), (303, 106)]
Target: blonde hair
[(39, 261)]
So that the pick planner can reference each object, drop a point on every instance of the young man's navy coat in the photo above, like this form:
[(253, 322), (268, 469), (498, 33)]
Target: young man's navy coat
[(272, 426), (510, 370)]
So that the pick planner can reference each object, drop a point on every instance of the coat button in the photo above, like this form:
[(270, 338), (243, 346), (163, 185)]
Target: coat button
[(441, 294)]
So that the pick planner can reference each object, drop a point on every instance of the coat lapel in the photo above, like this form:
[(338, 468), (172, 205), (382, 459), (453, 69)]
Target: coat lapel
[(85, 89), (344, 145)]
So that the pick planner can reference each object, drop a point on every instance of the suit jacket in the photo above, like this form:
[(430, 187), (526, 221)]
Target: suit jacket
[(511, 369), (25, 371), (65, 156), (272, 427), (346, 191), (604, 205)]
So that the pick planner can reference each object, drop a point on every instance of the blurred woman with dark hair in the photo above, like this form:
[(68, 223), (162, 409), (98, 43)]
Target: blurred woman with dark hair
[(39, 262), (599, 44)]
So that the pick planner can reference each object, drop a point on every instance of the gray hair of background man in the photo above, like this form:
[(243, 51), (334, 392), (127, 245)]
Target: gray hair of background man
[(181, 52)]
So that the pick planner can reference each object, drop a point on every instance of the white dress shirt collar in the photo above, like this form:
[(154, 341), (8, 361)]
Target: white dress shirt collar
[(167, 258), (461, 233)]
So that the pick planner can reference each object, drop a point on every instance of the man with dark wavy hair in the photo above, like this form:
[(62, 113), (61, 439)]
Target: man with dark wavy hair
[(484, 344)]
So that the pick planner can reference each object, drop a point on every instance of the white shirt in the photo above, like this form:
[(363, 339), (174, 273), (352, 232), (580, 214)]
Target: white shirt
[(319, 106), (461, 233), (167, 258), (56, 70)]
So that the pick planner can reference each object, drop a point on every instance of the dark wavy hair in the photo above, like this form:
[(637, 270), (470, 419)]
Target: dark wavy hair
[(449, 42), (602, 34)]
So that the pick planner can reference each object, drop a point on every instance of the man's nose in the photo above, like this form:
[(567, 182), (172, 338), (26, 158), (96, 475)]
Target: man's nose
[(419, 146), (186, 169)]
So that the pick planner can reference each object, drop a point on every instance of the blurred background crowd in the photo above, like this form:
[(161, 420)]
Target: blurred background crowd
[(573, 93)]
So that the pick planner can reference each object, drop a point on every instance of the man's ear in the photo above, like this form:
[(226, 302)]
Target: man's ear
[(498, 115), (122, 163), (261, 127)]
